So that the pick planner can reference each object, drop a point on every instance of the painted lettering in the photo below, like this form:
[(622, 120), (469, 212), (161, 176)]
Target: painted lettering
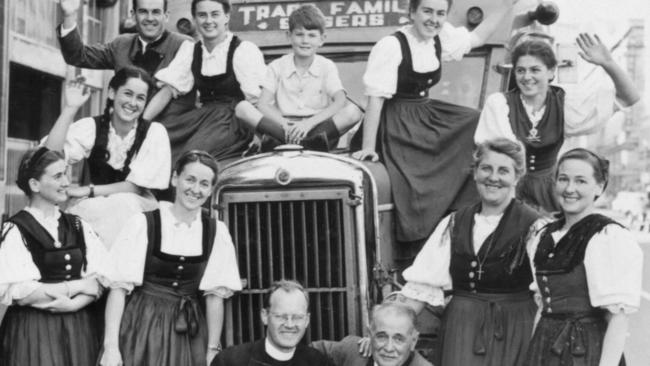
[(369, 8), (375, 20), (336, 7), (358, 21), (278, 11), (247, 10), (354, 8), (263, 12)]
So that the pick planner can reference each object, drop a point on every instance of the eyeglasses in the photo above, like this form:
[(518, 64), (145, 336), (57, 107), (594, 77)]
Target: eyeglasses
[(382, 339), (284, 318)]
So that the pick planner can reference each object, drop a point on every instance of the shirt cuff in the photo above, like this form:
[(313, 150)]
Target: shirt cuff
[(433, 296), (222, 292), (65, 31)]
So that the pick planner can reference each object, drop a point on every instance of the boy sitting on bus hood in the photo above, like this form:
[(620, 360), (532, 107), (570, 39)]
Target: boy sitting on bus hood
[(303, 100)]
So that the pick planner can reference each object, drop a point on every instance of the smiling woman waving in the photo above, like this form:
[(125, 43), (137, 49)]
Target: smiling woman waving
[(126, 155)]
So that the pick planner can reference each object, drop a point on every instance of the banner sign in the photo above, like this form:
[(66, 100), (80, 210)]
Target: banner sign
[(274, 16)]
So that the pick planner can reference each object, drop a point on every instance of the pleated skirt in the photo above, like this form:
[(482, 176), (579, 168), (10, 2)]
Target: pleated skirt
[(213, 128), (487, 329), (566, 342), (32, 337), (427, 147), (148, 336)]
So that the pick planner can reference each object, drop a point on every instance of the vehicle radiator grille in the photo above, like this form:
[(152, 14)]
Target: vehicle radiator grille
[(305, 235)]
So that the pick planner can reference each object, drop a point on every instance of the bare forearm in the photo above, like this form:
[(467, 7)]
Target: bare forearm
[(214, 315), (485, 29), (45, 291), (81, 301), (614, 341), (626, 91), (371, 122), (57, 136), (113, 316), (271, 111), (158, 103)]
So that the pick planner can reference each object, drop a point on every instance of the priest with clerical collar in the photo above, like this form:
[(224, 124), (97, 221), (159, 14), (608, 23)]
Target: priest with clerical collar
[(286, 317), (392, 340)]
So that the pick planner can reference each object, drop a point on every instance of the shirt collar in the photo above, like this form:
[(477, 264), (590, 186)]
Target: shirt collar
[(290, 67), (153, 43), (112, 131), (275, 353), (50, 222), (225, 44), (166, 210)]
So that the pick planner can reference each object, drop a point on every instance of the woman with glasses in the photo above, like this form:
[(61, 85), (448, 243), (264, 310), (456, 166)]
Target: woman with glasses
[(165, 260)]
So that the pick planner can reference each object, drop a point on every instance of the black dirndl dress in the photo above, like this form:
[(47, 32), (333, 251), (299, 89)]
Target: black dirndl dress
[(426, 145), (543, 145), (213, 127), (489, 320), (163, 322), (30, 336), (570, 331)]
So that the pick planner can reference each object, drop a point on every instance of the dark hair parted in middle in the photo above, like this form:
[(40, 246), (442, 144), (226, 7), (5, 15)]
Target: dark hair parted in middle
[(415, 4), (197, 156), (599, 164), (224, 3), (537, 48), (33, 165), (513, 149), (308, 17)]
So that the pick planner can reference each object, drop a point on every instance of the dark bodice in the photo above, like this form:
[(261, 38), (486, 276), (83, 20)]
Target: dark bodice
[(542, 148), (560, 269), (58, 259), (502, 258), (182, 273), (411, 84), (99, 169), (223, 87)]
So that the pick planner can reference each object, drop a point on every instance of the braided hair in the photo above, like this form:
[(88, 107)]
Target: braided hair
[(100, 152)]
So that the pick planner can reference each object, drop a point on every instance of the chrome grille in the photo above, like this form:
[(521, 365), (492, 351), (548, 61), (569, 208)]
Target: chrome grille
[(305, 235)]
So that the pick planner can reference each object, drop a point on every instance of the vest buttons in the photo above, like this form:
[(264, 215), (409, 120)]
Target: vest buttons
[(473, 264), (175, 284), (57, 244), (67, 277), (548, 300), (547, 290), (549, 310), (551, 255), (68, 267), (430, 81), (472, 285), (471, 275), (531, 168), (544, 279), (423, 93), (182, 259), (180, 268), (66, 257)]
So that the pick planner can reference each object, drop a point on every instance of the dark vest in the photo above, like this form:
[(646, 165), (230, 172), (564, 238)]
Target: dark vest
[(99, 169), (411, 84), (560, 269), (182, 273), (541, 154), (57, 260), (506, 269), (223, 87)]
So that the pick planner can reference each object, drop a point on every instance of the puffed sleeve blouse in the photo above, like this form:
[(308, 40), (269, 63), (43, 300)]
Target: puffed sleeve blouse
[(428, 277), (380, 78), (19, 276), (614, 267), (248, 65), (221, 276), (150, 166), (585, 111)]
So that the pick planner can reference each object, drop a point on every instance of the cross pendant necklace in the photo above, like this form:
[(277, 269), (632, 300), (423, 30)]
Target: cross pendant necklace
[(480, 261), (480, 271)]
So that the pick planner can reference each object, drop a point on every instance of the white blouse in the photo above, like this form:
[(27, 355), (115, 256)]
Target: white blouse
[(247, 61), (129, 252), (429, 275), (584, 113), (150, 166), (19, 276), (614, 267), (380, 79)]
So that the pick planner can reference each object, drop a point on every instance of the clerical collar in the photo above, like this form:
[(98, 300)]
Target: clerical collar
[(275, 353)]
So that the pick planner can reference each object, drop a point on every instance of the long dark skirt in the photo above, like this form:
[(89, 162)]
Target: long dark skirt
[(212, 128), (29, 336), (537, 190), (427, 147), (568, 342), (487, 329), (148, 336)]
